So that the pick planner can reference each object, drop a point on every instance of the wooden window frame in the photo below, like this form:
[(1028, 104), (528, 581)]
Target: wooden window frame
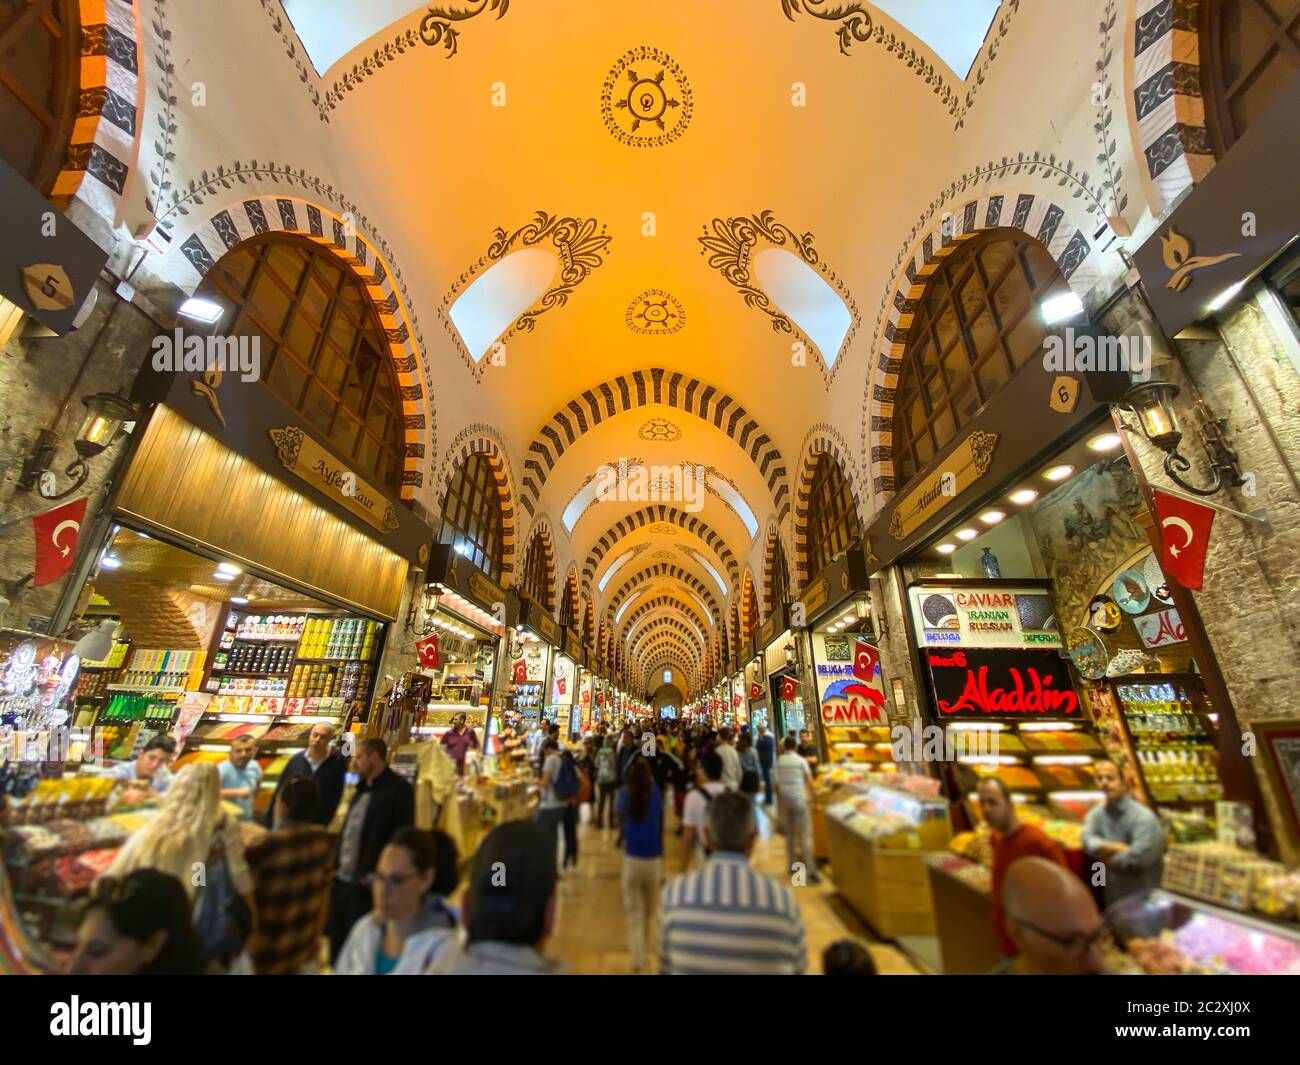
[(832, 515), (471, 516), (64, 30), (1217, 94)]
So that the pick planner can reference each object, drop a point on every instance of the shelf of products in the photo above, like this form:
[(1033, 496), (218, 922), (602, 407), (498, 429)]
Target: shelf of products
[(273, 627), (115, 660), (526, 698), (156, 710), (863, 746), (1173, 738)]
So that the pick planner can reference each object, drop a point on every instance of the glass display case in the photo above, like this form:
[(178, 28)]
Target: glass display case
[(1173, 734), (1163, 934)]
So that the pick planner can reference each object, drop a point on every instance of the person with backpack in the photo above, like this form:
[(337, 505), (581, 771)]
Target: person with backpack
[(560, 784), (642, 806), (606, 782), (695, 811)]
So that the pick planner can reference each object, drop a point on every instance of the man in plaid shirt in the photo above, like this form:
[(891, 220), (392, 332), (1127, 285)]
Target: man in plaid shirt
[(292, 868)]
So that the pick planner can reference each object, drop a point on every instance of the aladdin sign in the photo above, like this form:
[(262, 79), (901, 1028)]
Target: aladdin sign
[(968, 683)]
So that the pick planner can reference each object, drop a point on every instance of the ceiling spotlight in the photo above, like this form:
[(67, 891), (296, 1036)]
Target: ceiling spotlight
[(946, 549), (1023, 497), (992, 517), (967, 534), (110, 562), (1058, 473), (229, 569), (1105, 442), (218, 575), (198, 309), (1061, 308), (239, 599)]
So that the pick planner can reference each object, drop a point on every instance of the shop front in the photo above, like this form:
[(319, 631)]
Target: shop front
[(537, 639), (564, 687), (784, 707)]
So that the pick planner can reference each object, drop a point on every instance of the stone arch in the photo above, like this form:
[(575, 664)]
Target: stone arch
[(649, 515), (480, 440), (569, 597), (106, 136), (1034, 214), (230, 226), (540, 535), (587, 636), (639, 389), (668, 641), (664, 570), (1168, 110), (822, 440), (750, 608), (668, 657), (662, 625), (664, 602), (772, 540)]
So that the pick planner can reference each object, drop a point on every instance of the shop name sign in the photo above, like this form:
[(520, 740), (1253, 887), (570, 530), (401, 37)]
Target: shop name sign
[(1161, 629), (984, 617), (300, 454), (968, 462), (979, 683)]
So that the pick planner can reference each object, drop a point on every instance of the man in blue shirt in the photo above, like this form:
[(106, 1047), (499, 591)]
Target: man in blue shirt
[(241, 775), (1125, 835)]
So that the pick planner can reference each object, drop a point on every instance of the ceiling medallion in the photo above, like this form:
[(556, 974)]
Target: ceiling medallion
[(654, 313), (663, 528), (659, 430), (664, 554), (646, 99)]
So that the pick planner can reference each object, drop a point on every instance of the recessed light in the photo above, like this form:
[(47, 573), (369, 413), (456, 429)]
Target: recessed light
[(946, 549), (229, 568), (110, 562), (1105, 442), (240, 599), (200, 310), (1226, 296), (1058, 473), (967, 534), (218, 575), (1061, 308), (992, 517), (1023, 497)]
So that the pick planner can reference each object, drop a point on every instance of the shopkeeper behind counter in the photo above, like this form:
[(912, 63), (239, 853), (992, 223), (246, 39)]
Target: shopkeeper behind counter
[(459, 739), (149, 767), (1127, 836), (241, 775)]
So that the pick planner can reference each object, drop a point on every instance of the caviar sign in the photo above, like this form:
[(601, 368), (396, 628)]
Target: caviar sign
[(1030, 685), (988, 616)]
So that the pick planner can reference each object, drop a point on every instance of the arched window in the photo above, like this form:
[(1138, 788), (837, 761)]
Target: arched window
[(40, 75), (832, 517), (536, 584), (748, 609), (569, 604), (471, 516), (975, 325), (1249, 50), (778, 578), (323, 349)]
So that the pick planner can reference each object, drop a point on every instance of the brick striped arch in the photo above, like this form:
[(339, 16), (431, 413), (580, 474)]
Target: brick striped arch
[(1034, 214), (667, 570), (664, 642), (539, 536), (569, 599), (1168, 107), (587, 636), (821, 440), (663, 625), (681, 667), (230, 226), (107, 130), (638, 389), (772, 542), (649, 515), (476, 440), (664, 602)]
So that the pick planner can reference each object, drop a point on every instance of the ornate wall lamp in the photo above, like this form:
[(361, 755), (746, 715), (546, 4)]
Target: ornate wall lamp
[(1152, 403), (105, 414)]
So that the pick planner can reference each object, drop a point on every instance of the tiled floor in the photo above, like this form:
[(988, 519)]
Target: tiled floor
[(591, 937)]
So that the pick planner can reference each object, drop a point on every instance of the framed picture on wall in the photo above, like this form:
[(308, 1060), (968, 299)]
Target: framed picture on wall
[(1280, 741)]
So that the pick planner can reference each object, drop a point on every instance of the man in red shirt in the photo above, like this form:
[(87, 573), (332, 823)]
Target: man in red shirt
[(1011, 841)]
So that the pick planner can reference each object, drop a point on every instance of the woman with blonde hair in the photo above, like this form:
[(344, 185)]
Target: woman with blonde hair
[(195, 840)]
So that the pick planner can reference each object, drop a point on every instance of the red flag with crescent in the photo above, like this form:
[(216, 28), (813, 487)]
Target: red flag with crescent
[(1184, 538), (521, 671), (865, 659), (789, 688), (56, 540), (427, 649)]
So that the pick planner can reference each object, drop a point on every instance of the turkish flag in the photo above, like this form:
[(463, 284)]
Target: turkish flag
[(755, 691), (789, 688), (427, 649), (561, 682), (56, 540), (1184, 538), (521, 671), (735, 700), (865, 658)]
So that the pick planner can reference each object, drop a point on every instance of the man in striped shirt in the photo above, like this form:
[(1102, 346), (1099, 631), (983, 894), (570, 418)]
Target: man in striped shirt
[(727, 917)]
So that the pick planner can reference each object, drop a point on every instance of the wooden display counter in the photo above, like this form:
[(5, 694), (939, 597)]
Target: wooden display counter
[(821, 842), (888, 888), (964, 921)]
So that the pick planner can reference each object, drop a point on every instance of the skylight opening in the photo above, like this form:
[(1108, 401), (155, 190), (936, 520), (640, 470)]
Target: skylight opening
[(497, 297), (617, 565), (701, 560), (735, 501), (954, 29), (330, 31), (805, 297)]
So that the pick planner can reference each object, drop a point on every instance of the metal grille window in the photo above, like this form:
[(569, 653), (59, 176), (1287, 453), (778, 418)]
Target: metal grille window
[(471, 516), (832, 517), (535, 583), (40, 74), (1250, 49), (976, 324), (323, 349)]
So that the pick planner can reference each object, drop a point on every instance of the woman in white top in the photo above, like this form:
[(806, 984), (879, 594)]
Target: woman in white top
[(412, 922)]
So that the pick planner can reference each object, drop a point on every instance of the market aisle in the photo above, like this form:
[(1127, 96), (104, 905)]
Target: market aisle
[(591, 938)]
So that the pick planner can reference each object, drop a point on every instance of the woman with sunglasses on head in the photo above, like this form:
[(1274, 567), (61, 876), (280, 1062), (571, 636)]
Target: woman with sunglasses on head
[(412, 922), (138, 925)]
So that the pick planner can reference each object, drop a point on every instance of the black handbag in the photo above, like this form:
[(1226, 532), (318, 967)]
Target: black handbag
[(749, 782)]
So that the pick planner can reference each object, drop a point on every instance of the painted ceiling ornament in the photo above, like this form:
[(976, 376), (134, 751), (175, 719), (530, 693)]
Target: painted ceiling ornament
[(731, 246), (664, 555), (660, 430), (663, 528), (645, 99), (580, 244), (654, 313), (854, 18)]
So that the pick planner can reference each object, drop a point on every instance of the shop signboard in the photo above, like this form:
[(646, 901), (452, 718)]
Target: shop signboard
[(976, 614), (931, 493), (534, 616), (984, 684), (1161, 629), (850, 681), (1232, 224), (448, 567), (302, 456), (843, 576)]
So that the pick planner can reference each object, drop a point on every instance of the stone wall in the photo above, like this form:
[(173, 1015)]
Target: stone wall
[(1249, 604)]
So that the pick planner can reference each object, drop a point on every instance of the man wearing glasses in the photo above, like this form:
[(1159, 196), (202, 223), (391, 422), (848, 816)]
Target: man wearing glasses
[(1052, 921)]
